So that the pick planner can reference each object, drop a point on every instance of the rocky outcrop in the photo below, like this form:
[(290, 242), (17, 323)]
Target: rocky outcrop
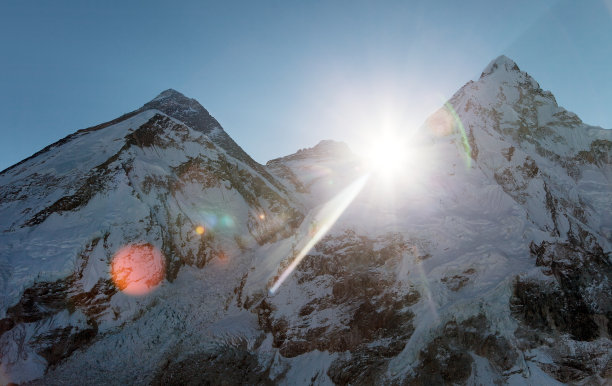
[(43, 301), (448, 358), (576, 298), (227, 366), (367, 312), (569, 313)]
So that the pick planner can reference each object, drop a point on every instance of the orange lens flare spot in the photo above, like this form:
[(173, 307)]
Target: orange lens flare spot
[(441, 123), (200, 230), (262, 216), (137, 269)]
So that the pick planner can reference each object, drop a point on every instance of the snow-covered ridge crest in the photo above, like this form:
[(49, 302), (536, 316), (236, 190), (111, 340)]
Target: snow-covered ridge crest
[(501, 63), (325, 148)]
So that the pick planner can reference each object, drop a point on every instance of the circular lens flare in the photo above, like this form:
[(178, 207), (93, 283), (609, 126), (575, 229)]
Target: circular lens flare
[(227, 221), (200, 230), (137, 269)]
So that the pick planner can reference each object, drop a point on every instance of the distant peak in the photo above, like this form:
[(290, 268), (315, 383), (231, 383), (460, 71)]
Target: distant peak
[(501, 63), (325, 148), (330, 144), (328, 147)]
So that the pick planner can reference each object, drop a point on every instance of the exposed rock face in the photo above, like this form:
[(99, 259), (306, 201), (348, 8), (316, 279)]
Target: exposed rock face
[(43, 302), (448, 359), (576, 299), (456, 282), (363, 310), (570, 311), (228, 366)]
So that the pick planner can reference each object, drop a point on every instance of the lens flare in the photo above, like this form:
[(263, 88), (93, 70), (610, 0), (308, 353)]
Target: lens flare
[(464, 139), (137, 269), (441, 123), (426, 291), (210, 219), (445, 122), (324, 220), (227, 221), (200, 230), (262, 216), (311, 173)]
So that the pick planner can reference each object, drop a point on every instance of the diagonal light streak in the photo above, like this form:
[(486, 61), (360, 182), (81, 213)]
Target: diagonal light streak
[(326, 217)]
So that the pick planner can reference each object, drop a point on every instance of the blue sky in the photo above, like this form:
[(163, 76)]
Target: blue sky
[(282, 75)]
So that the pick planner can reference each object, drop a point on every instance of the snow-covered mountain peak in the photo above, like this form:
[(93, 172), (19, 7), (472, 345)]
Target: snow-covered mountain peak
[(501, 63), (536, 150), (169, 93), (190, 112), (504, 72), (512, 103), (187, 110)]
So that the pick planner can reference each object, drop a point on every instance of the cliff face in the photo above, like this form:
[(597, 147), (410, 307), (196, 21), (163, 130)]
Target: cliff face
[(151, 249)]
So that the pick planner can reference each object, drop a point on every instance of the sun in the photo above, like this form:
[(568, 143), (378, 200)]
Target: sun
[(394, 157), (386, 154)]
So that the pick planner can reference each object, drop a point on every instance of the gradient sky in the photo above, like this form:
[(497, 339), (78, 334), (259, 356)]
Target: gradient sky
[(282, 75)]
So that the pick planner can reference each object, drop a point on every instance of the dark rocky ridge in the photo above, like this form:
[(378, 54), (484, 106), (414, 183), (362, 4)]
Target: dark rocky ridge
[(194, 115), (447, 359)]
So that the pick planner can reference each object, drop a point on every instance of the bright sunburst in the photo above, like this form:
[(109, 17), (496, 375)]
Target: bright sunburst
[(394, 157), (388, 153)]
